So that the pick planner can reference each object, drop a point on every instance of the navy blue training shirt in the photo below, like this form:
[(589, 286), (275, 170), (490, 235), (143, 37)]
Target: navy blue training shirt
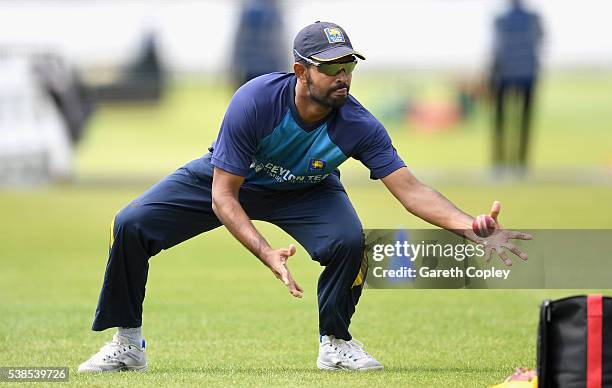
[(263, 138)]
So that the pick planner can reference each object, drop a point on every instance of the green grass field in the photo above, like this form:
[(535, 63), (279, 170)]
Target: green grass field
[(215, 316)]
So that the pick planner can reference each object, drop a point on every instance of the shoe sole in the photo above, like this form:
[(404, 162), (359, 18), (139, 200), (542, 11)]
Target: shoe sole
[(330, 367), (372, 368), (141, 369)]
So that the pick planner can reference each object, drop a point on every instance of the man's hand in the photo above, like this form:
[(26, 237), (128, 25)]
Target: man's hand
[(499, 239), (433, 207), (225, 204), (276, 260)]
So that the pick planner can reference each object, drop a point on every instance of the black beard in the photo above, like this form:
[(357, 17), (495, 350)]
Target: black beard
[(327, 100)]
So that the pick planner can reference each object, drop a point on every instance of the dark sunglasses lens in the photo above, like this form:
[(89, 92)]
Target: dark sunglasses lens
[(335, 68), (349, 67)]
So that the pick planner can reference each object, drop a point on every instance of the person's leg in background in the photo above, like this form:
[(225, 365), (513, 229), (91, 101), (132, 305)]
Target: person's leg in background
[(499, 92), (525, 123)]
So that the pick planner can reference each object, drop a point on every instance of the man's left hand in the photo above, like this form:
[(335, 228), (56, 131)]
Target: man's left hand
[(499, 239)]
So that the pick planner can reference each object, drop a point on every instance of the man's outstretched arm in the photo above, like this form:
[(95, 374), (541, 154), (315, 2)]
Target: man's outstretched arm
[(425, 202), (225, 204), (431, 206)]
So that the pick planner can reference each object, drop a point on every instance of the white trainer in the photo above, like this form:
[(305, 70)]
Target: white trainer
[(117, 356), (337, 354)]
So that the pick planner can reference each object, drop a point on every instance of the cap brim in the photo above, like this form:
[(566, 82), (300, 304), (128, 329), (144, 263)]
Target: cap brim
[(336, 53)]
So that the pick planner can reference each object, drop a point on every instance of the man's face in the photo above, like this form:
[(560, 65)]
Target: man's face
[(329, 90)]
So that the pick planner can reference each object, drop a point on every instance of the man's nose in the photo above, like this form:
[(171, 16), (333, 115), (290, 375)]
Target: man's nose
[(341, 77)]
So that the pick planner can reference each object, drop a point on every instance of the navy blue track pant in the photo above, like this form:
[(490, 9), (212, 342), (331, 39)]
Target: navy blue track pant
[(320, 218)]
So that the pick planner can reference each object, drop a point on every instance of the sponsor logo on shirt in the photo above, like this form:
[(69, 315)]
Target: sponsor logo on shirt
[(282, 174), (334, 35)]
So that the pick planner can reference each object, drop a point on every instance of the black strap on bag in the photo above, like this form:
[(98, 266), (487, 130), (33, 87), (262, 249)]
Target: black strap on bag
[(575, 343), (542, 349)]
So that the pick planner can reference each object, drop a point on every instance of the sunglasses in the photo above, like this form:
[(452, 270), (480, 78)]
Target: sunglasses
[(330, 69)]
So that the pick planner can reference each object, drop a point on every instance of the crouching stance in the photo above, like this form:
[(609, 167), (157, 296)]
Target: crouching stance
[(275, 159)]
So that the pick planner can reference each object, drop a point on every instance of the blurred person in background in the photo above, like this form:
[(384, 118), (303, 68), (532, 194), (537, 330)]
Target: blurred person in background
[(143, 80), (517, 40), (259, 44)]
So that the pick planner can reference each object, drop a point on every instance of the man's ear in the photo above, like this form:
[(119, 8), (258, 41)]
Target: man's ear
[(300, 71)]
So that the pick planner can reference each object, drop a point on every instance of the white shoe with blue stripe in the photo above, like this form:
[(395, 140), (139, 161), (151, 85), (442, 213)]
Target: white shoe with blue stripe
[(117, 356), (337, 354)]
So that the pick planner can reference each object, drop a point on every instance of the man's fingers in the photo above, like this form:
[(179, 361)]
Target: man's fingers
[(284, 275), (504, 257), (292, 249), (495, 209), (487, 253), (289, 251), (519, 235), (294, 288), (514, 249), (282, 272), (296, 293)]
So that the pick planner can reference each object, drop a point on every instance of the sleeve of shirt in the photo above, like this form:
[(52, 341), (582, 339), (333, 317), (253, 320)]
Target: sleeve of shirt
[(237, 141), (378, 154)]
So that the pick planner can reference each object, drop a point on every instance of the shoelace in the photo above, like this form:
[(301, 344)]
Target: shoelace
[(116, 348), (357, 348), (352, 349)]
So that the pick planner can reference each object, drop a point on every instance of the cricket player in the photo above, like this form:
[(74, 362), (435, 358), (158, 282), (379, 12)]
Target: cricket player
[(276, 159), (518, 39)]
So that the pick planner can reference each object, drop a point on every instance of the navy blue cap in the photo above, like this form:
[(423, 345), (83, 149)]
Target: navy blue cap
[(323, 41)]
